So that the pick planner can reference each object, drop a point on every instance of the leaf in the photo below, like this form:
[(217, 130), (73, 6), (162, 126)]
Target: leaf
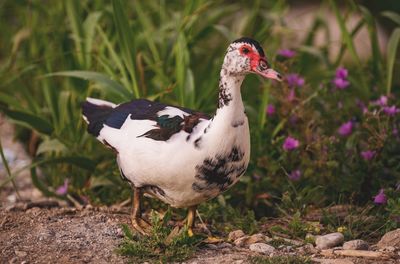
[(109, 86), (89, 27), (30, 121), (51, 145), (392, 16), (392, 47)]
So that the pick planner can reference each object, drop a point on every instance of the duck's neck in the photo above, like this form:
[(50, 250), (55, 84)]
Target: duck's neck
[(230, 104)]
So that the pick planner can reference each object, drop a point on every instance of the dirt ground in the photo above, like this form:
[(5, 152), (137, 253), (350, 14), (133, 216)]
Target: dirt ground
[(37, 230)]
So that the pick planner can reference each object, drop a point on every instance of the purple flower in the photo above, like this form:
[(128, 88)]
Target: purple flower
[(391, 110), (270, 109), (291, 95), (295, 175), (63, 189), (294, 80), (287, 53), (345, 129), (368, 154), (380, 198), (341, 73), (340, 83), (382, 101), (290, 143)]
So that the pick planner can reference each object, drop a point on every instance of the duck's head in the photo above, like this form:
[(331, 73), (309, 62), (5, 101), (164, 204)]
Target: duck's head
[(246, 55)]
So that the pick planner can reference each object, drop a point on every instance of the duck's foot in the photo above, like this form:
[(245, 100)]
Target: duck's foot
[(141, 226)]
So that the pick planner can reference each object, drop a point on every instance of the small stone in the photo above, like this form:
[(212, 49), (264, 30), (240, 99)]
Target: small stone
[(224, 245), (391, 238), (307, 249), (357, 244), (240, 242), (20, 254), (235, 235), (212, 246), (255, 239), (329, 240), (262, 248)]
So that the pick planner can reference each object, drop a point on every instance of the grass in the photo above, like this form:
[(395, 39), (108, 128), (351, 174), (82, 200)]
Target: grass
[(165, 244)]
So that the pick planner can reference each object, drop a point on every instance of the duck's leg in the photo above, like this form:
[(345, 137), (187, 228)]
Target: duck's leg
[(190, 219), (138, 223)]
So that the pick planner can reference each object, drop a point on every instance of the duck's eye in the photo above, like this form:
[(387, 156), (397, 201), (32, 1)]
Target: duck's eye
[(245, 50)]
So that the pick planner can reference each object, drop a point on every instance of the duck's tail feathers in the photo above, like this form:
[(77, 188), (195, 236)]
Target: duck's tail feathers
[(95, 112)]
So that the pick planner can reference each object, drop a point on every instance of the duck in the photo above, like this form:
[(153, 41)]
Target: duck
[(182, 156)]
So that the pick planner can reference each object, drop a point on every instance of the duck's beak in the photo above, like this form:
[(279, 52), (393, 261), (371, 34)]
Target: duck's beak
[(265, 71)]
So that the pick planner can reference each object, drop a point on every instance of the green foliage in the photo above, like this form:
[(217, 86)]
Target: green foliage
[(164, 244)]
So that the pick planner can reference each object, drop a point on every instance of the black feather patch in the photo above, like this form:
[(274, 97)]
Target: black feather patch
[(219, 172), (140, 109), (96, 116), (168, 126)]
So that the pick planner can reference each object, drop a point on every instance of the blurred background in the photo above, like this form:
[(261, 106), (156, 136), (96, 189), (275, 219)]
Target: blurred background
[(328, 135)]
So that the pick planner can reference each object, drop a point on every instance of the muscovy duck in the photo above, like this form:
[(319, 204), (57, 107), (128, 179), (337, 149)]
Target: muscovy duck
[(178, 155)]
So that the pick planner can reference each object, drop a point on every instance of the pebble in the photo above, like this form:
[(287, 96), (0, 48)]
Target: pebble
[(307, 249), (235, 235), (20, 254), (240, 242), (391, 238), (262, 248), (329, 240), (357, 244), (248, 240)]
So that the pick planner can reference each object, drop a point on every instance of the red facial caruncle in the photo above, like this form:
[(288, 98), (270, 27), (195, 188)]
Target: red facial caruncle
[(259, 64)]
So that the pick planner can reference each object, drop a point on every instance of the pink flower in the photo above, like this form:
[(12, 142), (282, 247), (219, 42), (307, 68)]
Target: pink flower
[(290, 144), (63, 189), (294, 80), (391, 110), (270, 109), (340, 83), (345, 129), (341, 73), (287, 53), (381, 197), (295, 175), (368, 154)]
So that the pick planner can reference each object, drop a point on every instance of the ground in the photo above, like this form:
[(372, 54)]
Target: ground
[(34, 229)]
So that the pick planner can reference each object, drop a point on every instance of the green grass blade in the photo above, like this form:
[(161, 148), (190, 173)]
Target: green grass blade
[(126, 41), (392, 47), (73, 13), (392, 16), (89, 27), (109, 86), (7, 167), (29, 120)]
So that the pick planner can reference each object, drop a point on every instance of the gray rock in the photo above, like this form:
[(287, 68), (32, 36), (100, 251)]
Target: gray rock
[(235, 235), (329, 240), (357, 244), (391, 239), (262, 248)]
